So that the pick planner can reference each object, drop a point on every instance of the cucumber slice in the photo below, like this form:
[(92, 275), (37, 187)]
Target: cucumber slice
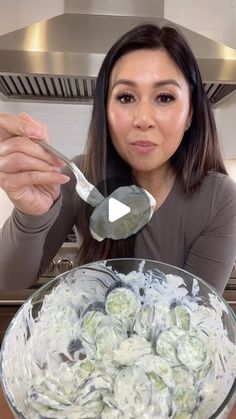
[(182, 414), (108, 336), (84, 371), (150, 320), (142, 324), (182, 377), (155, 364), (110, 413), (180, 317), (185, 398), (89, 324), (131, 349), (191, 352), (122, 303), (157, 381), (206, 370), (166, 344), (132, 391)]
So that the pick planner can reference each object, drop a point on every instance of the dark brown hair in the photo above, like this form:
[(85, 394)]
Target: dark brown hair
[(197, 154)]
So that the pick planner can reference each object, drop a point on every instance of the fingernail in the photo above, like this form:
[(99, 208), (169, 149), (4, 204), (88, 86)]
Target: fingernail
[(60, 163), (31, 127), (57, 169), (65, 178), (37, 132), (24, 115)]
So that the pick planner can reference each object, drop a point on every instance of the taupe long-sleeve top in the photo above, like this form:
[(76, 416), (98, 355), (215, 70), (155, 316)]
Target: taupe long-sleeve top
[(197, 234)]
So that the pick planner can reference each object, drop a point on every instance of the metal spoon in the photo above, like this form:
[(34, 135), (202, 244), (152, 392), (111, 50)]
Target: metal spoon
[(140, 202), (88, 192)]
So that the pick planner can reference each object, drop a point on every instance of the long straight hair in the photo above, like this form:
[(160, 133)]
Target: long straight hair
[(198, 153)]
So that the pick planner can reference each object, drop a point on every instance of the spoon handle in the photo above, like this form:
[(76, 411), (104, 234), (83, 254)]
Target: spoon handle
[(88, 192)]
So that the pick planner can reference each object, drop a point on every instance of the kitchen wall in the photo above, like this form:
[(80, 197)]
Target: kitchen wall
[(226, 124), (215, 19), (234, 20), (68, 123), (16, 14), (212, 18)]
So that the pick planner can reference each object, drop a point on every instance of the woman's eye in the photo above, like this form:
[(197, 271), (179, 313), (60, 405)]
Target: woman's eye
[(165, 98), (125, 98)]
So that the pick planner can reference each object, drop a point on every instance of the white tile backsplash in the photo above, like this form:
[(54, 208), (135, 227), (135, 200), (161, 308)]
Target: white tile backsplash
[(121, 7), (211, 18), (231, 167), (67, 123), (16, 14), (226, 125)]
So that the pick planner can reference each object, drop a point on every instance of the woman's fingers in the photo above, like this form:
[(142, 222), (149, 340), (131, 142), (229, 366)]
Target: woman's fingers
[(29, 174), (25, 116), (11, 182), (33, 128), (11, 126), (34, 200), (19, 162), (23, 146)]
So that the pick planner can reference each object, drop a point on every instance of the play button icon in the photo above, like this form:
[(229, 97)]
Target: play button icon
[(116, 209), (122, 213)]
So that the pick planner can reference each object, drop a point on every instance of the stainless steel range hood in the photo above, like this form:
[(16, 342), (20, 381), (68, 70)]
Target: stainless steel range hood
[(58, 59)]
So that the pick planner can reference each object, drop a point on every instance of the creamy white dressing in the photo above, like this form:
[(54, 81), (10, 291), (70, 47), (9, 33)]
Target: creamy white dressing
[(36, 355)]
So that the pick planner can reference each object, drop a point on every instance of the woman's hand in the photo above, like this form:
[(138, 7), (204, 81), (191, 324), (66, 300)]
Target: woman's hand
[(28, 174)]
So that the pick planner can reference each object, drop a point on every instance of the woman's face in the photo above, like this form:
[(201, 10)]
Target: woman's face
[(148, 108)]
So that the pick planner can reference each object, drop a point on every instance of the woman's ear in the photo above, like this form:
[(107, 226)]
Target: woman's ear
[(188, 124), (189, 120)]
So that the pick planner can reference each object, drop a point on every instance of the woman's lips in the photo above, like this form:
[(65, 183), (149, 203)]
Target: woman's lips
[(143, 146)]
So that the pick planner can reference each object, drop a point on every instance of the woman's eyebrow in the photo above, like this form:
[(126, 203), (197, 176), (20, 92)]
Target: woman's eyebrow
[(159, 83)]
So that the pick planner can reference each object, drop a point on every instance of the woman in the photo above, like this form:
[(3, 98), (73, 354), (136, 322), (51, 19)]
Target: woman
[(151, 125)]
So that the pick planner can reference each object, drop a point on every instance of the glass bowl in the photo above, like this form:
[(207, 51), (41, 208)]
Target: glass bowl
[(43, 340)]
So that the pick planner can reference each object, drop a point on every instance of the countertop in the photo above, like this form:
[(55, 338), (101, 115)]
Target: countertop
[(5, 412)]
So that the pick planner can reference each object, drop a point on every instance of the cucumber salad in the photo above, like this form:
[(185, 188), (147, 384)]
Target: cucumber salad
[(143, 348)]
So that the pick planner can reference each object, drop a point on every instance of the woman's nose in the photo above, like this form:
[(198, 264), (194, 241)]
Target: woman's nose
[(144, 116)]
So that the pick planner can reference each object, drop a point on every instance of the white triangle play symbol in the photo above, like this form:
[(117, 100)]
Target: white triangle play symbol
[(116, 210)]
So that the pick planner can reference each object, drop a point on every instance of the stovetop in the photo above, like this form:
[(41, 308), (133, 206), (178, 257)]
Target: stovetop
[(67, 259)]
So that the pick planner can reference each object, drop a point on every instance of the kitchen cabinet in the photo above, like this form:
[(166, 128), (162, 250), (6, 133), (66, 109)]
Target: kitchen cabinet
[(10, 303), (230, 296), (230, 291), (4, 408), (6, 314)]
